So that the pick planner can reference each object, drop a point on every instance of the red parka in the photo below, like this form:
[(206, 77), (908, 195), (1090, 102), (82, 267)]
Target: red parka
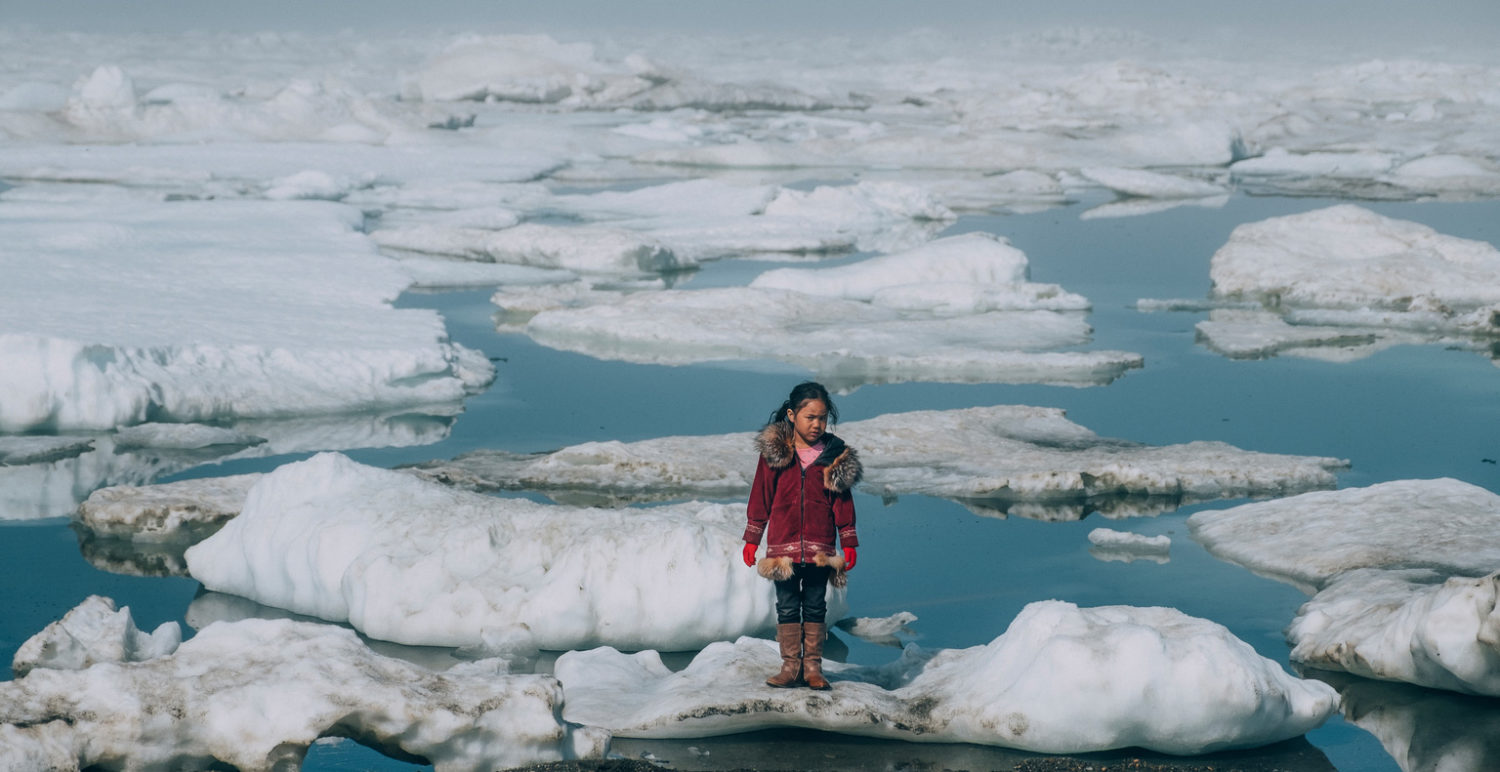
[(801, 513)]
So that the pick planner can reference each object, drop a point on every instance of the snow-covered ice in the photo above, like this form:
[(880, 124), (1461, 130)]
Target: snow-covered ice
[(263, 333), (1446, 525), (341, 541), (255, 694), (1422, 728), (1003, 453), (94, 631), (1404, 625), (1111, 545), (1061, 679), (886, 631), (176, 511)]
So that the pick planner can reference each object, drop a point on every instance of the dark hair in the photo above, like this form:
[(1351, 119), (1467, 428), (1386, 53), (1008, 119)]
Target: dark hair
[(802, 394)]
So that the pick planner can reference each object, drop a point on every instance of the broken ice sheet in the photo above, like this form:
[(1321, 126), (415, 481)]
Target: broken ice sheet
[(255, 694), (1060, 680), (1111, 545), (885, 631), (1421, 728), (1343, 282), (341, 541), (1033, 457)]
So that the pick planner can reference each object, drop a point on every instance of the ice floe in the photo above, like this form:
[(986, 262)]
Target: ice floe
[(1403, 574), (1061, 679), (344, 542), (1445, 525), (263, 333), (1342, 282), (886, 631), (92, 632), (1111, 545), (1004, 454), (177, 511), (255, 694), (1422, 728), (1412, 625)]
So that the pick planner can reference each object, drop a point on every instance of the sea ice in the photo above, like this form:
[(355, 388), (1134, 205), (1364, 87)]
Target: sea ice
[(886, 631), (1061, 679), (340, 541), (1409, 625), (94, 631), (255, 694), (176, 511), (1143, 184), (968, 274), (1000, 453), (25, 450), (210, 317), (582, 248), (1421, 728), (1347, 257), (1446, 525), (182, 437), (1111, 545)]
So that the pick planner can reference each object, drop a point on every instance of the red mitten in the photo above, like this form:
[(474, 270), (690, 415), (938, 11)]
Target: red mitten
[(749, 554), (849, 558)]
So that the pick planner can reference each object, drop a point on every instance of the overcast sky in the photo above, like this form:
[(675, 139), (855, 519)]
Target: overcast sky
[(1426, 22)]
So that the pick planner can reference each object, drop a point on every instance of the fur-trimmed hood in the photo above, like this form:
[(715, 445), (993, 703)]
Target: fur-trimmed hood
[(841, 466)]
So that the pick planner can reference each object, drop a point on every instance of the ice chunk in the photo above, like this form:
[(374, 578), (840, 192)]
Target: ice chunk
[(1144, 184), (1407, 626), (255, 694), (967, 274), (518, 68), (93, 632), (1061, 679), (345, 542), (212, 317), (1112, 545), (885, 631), (21, 451), (588, 249), (1422, 728), (186, 509), (1446, 525), (1004, 453), (840, 341), (448, 273), (1348, 257)]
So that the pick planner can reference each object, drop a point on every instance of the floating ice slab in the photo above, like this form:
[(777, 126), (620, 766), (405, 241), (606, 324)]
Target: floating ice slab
[(1060, 680), (588, 249), (256, 694), (344, 542), (182, 437), (21, 451), (1348, 257), (212, 316), (186, 509), (1446, 525), (1422, 728), (999, 453), (1407, 626), (1144, 184), (886, 631), (92, 632), (968, 274), (840, 341)]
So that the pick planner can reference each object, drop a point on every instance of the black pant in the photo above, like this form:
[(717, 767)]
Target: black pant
[(804, 597)]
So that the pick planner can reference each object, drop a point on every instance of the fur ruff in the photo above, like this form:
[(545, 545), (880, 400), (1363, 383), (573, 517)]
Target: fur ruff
[(780, 569), (776, 446)]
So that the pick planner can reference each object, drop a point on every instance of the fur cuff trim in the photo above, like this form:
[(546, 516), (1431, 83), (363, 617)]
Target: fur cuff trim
[(780, 569)]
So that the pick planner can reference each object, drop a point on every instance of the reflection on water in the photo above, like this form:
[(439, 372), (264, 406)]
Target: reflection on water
[(1422, 729)]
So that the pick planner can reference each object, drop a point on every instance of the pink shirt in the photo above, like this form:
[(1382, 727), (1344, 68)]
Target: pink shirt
[(806, 456)]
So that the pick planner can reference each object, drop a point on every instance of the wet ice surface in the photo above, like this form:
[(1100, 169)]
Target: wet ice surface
[(1008, 128), (1060, 680), (1015, 459), (258, 693)]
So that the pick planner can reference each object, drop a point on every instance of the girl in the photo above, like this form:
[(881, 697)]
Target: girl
[(800, 502)]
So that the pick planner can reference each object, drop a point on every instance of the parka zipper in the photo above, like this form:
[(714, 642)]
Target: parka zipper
[(802, 516)]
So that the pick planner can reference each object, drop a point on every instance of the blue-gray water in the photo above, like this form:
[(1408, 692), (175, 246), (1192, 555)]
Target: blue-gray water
[(1407, 412)]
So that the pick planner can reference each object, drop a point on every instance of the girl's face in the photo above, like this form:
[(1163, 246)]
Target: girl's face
[(808, 422)]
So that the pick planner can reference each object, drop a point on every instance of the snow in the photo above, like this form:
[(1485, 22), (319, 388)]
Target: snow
[(842, 342), (1348, 257), (1410, 626), (968, 274), (255, 694), (336, 540), (263, 333), (1003, 453), (92, 632), (1061, 679), (1446, 525)]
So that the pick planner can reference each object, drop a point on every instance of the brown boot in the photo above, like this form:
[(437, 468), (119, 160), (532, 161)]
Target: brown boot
[(813, 634), (790, 638)]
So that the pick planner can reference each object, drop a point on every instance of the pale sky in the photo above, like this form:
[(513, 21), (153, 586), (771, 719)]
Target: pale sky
[(1430, 22)]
